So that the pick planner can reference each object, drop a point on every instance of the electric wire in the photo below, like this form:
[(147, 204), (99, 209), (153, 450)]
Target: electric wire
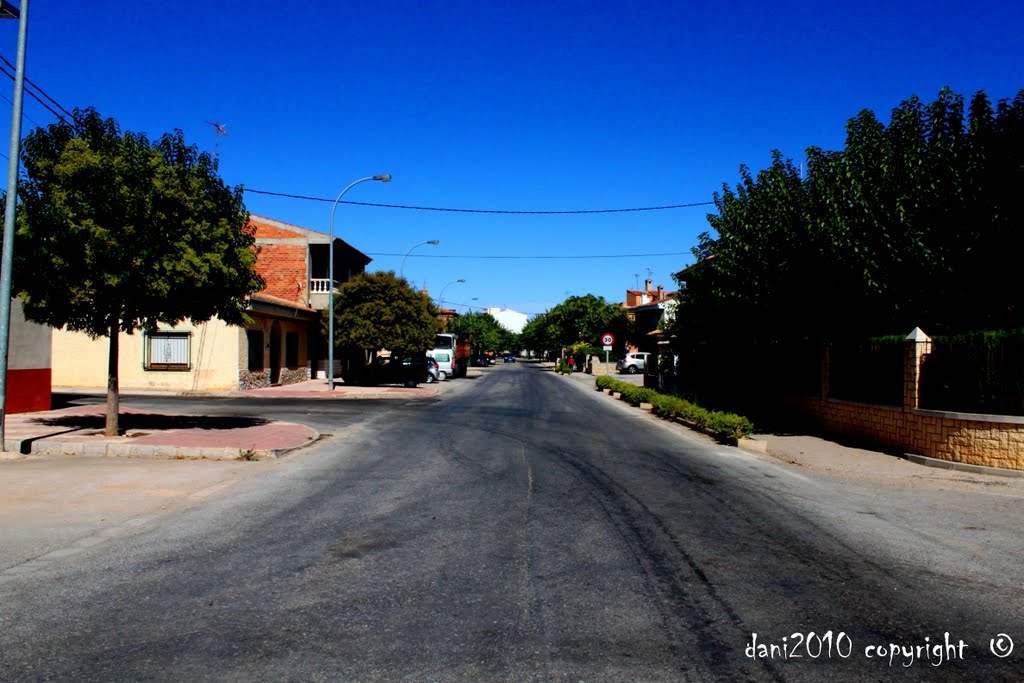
[(503, 256), (485, 211), (35, 97), (43, 92), (8, 100)]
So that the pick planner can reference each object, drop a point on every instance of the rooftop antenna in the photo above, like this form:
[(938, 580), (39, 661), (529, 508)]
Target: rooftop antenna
[(649, 273), (636, 279), (218, 130)]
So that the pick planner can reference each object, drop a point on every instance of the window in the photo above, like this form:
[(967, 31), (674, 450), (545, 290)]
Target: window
[(291, 349), (168, 351), (255, 344)]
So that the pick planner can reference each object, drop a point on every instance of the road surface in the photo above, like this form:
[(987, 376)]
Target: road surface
[(524, 528)]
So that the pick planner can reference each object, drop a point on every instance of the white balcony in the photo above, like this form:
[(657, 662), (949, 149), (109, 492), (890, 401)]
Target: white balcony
[(319, 292)]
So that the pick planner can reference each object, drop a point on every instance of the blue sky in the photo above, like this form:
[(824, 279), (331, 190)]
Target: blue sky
[(532, 106)]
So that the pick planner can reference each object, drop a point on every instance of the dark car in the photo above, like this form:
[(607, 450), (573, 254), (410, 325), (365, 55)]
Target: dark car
[(409, 369), (510, 358)]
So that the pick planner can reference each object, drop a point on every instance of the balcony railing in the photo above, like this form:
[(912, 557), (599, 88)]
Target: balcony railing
[(322, 286)]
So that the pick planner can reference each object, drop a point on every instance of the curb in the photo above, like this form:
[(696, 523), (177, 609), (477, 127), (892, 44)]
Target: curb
[(164, 452), (961, 466)]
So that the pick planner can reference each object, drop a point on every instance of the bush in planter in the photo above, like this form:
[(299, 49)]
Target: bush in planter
[(724, 426)]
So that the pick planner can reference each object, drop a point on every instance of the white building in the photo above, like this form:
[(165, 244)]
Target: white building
[(513, 321)]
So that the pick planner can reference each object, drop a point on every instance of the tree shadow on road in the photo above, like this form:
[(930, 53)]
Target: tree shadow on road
[(153, 422)]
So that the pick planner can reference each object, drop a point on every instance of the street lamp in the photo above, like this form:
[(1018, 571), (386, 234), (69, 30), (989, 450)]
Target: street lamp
[(8, 11), (384, 178), (401, 271), (440, 299)]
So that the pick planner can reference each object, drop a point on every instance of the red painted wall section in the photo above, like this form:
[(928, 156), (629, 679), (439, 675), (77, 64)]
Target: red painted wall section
[(28, 391)]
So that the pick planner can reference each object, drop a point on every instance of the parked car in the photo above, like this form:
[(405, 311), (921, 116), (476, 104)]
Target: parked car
[(433, 371), (409, 370), (510, 358), (445, 365), (633, 363)]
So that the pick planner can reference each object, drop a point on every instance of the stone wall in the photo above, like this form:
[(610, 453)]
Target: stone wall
[(973, 439), (253, 379), (294, 375)]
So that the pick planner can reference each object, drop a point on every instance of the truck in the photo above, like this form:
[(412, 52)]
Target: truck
[(451, 351)]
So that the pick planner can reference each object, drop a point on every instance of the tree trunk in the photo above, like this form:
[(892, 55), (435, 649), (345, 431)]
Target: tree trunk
[(113, 398)]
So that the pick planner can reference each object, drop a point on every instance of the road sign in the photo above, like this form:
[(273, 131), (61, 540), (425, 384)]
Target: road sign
[(607, 339)]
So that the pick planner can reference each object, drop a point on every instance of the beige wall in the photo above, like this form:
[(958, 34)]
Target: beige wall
[(81, 363)]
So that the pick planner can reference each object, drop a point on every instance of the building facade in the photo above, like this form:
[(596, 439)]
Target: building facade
[(284, 343)]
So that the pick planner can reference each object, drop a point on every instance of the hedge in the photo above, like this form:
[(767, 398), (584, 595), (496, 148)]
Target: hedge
[(724, 426)]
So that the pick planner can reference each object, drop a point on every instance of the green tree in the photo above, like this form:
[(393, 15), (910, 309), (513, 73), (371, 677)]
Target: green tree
[(485, 333), (117, 233), (375, 311), (577, 320), (912, 223)]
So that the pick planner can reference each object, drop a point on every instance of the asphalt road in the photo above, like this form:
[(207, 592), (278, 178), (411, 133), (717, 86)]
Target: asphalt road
[(523, 528)]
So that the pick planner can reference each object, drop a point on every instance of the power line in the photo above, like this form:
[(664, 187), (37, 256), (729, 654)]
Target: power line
[(43, 92), (8, 99), (591, 256), (34, 96), (488, 211)]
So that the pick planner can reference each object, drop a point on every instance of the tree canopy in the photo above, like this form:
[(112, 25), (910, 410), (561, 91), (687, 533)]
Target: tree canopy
[(119, 233), (485, 333), (916, 223), (577, 320), (375, 311)]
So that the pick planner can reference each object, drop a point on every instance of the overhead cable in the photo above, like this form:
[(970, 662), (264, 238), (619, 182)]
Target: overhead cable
[(488, 211)]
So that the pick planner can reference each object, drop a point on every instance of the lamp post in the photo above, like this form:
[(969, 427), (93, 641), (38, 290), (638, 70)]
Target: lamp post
[(440, 299), (8, 11), (384, 178), (401, 271)]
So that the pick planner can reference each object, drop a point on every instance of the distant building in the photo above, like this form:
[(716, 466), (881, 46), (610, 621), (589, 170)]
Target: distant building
[(647, 309), (513, 321)]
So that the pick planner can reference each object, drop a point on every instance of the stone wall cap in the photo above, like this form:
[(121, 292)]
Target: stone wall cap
[(917, 335)]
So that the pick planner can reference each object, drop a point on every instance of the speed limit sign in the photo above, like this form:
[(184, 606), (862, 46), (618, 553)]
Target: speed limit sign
[(607, 339)]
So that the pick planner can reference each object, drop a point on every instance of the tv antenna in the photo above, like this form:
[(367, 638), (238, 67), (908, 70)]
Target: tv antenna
[(636, 280), (219, 129)]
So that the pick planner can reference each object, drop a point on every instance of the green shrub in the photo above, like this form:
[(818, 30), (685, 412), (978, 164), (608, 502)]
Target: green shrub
[(724, 426)]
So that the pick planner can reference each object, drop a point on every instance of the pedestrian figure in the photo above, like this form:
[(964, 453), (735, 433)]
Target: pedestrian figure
[(572, 363)]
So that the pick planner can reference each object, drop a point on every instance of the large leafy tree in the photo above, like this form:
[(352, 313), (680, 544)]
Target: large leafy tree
[(579, 320), (913, 223), (485, 333), (118, 233), (375, 311)]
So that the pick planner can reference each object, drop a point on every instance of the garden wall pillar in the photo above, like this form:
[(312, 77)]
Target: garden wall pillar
[(916, 346)]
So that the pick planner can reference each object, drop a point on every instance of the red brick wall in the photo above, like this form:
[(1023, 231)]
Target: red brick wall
[(271, 232), (283, 266)]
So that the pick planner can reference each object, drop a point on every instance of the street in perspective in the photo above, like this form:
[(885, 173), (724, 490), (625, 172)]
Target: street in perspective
[(512, 342), (518, 526)]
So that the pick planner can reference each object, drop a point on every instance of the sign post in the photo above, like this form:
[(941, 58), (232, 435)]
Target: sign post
[(607, 340)]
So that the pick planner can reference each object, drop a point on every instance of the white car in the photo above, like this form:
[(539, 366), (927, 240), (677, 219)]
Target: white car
[(633, 363), (443, 357)]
